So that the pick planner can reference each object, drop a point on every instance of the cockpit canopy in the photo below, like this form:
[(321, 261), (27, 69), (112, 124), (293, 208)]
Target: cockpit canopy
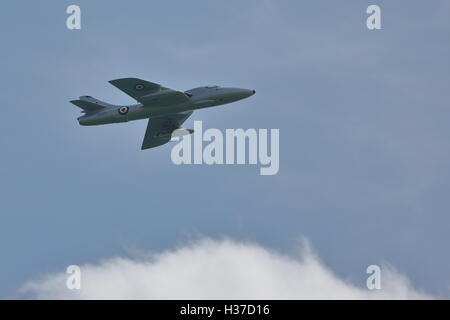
[(199, 90)]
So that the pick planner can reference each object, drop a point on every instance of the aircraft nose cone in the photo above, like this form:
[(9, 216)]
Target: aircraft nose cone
[(236, 94), (248, 92)]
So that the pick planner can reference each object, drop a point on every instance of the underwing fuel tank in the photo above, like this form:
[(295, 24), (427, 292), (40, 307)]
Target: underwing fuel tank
[(181, 132)]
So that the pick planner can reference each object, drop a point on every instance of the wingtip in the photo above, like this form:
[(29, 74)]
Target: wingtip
[(114, 80), (121, 79), (144, 147)]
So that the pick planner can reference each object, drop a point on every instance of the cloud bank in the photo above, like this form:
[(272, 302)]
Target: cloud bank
[(217, 269)]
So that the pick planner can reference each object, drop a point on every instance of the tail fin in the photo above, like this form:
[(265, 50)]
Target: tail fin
[(90, 104)]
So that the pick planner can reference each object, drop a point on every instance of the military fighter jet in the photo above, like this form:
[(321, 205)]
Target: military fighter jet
[(165, 108)]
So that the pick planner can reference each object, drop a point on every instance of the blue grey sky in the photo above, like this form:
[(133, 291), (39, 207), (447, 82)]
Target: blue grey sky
[(363, 118)]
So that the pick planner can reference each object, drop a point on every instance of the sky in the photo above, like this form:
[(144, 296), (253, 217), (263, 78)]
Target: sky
[(364, 158)]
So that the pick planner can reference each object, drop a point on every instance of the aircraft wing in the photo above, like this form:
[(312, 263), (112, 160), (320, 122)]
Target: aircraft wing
[(136, 88), (149, 93), (159, 130)]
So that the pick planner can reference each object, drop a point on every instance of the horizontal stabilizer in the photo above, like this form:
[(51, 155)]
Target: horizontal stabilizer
[(95, 101), (90, 104)]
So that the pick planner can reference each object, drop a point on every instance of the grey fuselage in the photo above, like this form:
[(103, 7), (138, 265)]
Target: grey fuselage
[(202, 97)]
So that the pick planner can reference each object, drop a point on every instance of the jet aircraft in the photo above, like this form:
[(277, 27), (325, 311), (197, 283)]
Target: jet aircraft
[(166, 109)]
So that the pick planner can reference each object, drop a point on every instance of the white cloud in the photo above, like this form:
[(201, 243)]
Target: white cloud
[(217, 269)]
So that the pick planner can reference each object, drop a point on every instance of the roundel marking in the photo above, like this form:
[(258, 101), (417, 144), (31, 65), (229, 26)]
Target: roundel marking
[(139, 86), (123, 110)]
